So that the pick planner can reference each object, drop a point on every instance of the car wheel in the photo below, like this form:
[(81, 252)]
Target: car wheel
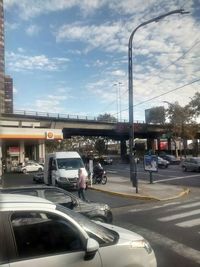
[(104, 179), (24, 171), (184, 169), (40, 169)]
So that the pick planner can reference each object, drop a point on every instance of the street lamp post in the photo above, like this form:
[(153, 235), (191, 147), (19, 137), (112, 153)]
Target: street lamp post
[(133, 170)]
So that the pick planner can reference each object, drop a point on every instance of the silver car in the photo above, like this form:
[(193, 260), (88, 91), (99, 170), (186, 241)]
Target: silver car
[(36, 232), (191, 164)]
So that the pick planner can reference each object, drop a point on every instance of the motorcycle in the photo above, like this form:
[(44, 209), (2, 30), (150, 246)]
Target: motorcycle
[(99, 177)]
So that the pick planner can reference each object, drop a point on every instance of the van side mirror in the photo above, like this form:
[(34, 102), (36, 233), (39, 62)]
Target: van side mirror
[(91, 249)]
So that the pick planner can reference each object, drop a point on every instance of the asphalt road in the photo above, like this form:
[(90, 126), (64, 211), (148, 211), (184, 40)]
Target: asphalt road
[(172, 227), (173, 175)]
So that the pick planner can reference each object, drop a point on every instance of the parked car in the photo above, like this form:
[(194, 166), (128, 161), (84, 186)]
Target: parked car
[(171, 158), (96, 211), (38, 177), (191, 164), (162, 163), (34, 231), (106, 161), (31, 167)]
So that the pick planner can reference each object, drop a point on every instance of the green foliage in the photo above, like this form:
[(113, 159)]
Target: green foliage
[(100, 146), (106, 117), (155, 115), (81, 144), (195, 104)]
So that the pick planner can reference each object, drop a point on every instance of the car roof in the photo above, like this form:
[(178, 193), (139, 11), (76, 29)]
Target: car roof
[(15, 201), (64, 154), (24, 187)]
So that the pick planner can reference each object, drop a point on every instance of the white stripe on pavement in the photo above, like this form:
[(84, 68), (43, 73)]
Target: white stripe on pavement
[(192, 205), (176, 178), (180, 215), (189, 223), (179, 248), (155, 207)]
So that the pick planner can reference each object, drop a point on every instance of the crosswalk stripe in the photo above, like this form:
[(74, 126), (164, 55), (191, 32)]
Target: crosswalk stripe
[(154, 207), (180, 215), (189, 223), (192, 205), (175, 178)]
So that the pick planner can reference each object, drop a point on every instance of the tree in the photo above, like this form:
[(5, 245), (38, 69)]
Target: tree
[(106, 117), (155, 115), (181, 124), (194, 104), (100, 146)]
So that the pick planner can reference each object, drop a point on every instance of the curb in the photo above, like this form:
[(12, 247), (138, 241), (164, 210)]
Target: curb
[(143, 197)]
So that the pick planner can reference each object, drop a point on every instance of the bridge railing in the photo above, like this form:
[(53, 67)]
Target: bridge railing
[(64, 116)]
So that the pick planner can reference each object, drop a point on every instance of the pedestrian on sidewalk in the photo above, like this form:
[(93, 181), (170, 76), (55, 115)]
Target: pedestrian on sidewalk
[(82, 184)]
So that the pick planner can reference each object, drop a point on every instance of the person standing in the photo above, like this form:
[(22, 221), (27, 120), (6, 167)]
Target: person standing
[(82, 184)]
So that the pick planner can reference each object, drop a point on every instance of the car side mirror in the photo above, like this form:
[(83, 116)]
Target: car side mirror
[(91, 249)]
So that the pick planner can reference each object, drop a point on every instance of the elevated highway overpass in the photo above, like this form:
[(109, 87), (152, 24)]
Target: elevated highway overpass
[(83, 126), (23, 134)]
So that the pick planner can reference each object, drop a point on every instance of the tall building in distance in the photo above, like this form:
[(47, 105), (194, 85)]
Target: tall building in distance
[(2, 62), (8, 97)]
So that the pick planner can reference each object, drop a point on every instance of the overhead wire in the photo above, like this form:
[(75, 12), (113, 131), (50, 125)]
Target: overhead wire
[(170, 91), (197, 41)]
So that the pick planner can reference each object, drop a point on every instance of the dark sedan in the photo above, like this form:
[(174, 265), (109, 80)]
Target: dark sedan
[(95, 211), (191, 164), (171, 158)]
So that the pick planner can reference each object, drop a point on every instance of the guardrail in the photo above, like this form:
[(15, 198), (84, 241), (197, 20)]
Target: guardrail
[(64, 116)]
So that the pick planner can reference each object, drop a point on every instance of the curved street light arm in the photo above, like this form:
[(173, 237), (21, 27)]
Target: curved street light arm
[(133, 171)]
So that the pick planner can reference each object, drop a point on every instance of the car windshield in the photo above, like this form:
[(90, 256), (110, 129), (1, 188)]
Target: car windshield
[(101, 234), (70, 163)]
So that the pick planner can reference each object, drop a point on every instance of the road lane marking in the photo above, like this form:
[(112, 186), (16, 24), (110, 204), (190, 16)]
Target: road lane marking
[(189, 223), (179, 216), (155, 207), (177, 178), (192, 205)]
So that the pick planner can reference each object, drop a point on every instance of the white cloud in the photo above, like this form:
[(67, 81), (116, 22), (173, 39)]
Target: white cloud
[(119, 73), (19, 62), (140, 8), (156, 46), (33, 30), (15, 91), (11, 26), (32, 8), (21, 50)]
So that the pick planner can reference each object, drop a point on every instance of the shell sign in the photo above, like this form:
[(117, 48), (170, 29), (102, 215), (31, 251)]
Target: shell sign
[(49, 135)]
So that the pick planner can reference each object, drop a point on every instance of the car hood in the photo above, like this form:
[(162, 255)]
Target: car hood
[(124, 235), (88, 206), (68, 173)]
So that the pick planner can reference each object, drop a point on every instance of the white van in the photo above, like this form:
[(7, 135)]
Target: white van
[(61, 169)]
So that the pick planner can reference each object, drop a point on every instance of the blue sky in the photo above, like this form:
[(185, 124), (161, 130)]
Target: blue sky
[(71, 56)]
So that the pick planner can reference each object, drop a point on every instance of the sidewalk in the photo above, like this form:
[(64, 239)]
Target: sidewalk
[(146, 191)]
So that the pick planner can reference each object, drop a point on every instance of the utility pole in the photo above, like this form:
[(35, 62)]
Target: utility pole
[(133, 169)]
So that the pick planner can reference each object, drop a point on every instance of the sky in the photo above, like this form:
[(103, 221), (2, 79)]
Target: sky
[(71, 56)]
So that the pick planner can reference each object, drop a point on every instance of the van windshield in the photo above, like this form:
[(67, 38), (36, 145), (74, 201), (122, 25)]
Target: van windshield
[(70, 163)]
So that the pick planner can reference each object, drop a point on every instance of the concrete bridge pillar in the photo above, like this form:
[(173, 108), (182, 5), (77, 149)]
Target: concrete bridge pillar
[(123, 148), (41, 151), (21, 151), (151, 144)]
